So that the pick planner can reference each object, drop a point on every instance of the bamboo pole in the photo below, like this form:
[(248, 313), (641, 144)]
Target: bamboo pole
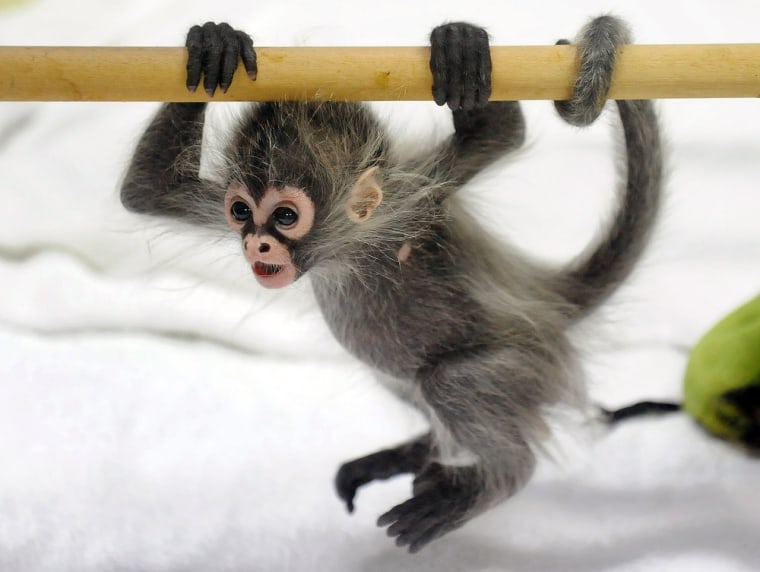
[(370, 73)]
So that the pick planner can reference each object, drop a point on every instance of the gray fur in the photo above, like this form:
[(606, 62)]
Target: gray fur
[(473, 332)]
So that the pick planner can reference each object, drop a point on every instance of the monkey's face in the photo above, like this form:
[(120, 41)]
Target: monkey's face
[(270, 228)]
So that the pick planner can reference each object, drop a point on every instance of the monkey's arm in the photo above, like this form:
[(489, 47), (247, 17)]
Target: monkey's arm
[(460, 62), (490, 399), (163, 178), (482, 136)]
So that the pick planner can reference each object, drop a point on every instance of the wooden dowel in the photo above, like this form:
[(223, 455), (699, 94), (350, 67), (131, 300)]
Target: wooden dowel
[(370, 73)]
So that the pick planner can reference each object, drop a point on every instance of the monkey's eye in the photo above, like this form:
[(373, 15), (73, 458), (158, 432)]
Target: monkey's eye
[(285, 216), (240, 211)]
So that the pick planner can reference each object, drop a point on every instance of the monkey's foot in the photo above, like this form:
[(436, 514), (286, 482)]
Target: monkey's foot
[(444, 499)]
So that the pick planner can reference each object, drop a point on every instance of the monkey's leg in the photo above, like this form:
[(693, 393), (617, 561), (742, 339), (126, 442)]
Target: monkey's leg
[(481, 136), (407, 458), (460, 61), (488, 402)]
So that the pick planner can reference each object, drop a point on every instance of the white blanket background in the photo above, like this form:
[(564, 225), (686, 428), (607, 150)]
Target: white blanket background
[(159, 412)]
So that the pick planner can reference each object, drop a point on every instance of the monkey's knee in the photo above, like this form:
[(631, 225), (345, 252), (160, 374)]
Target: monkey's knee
[(598, 44)]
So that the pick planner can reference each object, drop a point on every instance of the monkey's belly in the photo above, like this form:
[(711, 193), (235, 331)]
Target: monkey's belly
[(379, 346), (396, 331)]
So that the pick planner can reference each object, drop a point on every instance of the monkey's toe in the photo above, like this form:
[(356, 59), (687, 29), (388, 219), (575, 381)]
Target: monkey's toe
[(422, 519), (444, 498)]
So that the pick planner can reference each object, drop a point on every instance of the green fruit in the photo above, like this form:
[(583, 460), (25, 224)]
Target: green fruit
[(722, 381)]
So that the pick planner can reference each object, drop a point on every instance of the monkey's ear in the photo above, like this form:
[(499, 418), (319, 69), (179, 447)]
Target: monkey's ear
[(366, 195)]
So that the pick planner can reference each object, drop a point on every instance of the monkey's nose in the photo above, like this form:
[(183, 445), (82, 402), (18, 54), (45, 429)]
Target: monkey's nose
[(264, 247)]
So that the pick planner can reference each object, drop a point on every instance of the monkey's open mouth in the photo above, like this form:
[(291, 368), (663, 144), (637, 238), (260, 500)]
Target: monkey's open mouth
[(262, 269), (274, 275)]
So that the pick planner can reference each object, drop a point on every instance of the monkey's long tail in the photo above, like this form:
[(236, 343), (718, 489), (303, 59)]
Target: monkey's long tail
[(593, 277), (640, 409)]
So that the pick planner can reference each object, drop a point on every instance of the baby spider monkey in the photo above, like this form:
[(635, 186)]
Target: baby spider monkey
[(471, 331)]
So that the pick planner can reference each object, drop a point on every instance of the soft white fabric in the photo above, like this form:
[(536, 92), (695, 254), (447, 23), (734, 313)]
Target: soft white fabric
[(160, 412)]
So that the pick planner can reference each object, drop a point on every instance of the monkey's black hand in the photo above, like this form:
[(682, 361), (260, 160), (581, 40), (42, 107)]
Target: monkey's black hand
[(357, 473), (443, 500), (460, 59), (407, 458), (213, 50), (598, 45)]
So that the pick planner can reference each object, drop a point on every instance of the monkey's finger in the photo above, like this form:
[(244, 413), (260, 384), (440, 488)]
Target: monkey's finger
[(401, 515), (248, 54), (194, 45), (212, 56), (426, 534), (408, 531), (476, 62), (485, 68), (470, 74), (438, 64), (455, 63), (391, 516), (229, 56), (422, 533)]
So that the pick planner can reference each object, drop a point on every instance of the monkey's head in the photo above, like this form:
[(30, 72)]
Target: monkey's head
[(302, 176)]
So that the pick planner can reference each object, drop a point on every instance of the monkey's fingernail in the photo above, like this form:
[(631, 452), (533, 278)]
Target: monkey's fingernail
[(210, 92), (192, 88), (252, 75)]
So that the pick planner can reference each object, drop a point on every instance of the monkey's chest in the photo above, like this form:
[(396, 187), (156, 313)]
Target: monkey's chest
[(395, 323)]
